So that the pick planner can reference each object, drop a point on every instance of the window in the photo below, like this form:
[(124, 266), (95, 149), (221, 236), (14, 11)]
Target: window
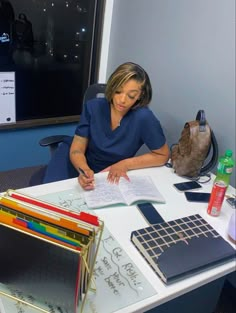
[(53, 48)]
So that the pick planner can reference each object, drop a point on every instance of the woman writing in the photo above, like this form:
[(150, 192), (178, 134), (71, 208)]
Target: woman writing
[(111, 130)]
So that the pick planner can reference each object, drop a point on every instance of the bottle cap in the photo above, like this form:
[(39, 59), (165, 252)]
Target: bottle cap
[(228, 153)]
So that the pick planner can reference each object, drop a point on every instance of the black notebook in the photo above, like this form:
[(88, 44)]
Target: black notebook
[(179, 248)]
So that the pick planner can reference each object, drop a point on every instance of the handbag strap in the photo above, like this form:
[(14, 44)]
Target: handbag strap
[(214, 157), (201, 117)]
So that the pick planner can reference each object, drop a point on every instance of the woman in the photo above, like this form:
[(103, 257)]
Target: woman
[(112, 129)]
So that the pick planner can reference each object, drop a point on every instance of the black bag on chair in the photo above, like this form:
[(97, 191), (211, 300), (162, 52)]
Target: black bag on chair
[(197, 141)]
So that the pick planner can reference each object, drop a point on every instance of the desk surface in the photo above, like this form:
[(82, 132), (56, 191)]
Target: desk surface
[(176, 206)]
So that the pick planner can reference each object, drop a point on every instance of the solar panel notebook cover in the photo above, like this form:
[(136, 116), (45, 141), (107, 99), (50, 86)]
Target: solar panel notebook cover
[(181, 247)]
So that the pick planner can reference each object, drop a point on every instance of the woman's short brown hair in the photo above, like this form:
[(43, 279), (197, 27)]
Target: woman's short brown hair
[(123, 74)]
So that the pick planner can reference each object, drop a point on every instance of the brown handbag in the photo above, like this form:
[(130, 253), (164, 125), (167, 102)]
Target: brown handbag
[(190, 153)]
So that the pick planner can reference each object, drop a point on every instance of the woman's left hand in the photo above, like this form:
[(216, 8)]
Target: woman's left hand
[(116, 171)]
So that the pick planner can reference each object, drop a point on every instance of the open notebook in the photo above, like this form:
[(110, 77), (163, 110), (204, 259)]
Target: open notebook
[(138, 189)]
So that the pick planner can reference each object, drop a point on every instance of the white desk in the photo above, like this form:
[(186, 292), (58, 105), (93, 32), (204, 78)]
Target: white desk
[(122, 220)]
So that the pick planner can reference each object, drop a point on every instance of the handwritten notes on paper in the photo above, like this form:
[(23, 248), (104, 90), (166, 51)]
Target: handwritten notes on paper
[(138, 188), (7, 98), (117, 278), (70, 199)]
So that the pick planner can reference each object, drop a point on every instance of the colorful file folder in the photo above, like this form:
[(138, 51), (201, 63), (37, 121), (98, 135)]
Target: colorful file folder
[(47, 252)]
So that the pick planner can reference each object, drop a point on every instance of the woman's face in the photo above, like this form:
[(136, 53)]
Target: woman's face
[(126, 96)]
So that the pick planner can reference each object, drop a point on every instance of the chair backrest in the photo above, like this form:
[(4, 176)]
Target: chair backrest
[(94, 91)]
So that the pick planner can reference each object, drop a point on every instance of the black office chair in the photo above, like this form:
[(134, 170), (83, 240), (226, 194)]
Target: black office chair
[(52, 142)]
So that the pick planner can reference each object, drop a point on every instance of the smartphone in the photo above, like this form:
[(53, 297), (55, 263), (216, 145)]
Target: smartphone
[(232, 202), (197, 196), (185, 186), (149, 213)]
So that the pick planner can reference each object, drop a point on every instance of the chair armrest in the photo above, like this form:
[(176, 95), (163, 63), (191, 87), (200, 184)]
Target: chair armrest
[(52, 142)]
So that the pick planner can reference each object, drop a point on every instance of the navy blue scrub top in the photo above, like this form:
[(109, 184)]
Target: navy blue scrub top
[(106, 146)]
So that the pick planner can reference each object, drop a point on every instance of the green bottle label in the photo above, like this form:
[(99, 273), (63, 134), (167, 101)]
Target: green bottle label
[(223, 169), (228, 170)]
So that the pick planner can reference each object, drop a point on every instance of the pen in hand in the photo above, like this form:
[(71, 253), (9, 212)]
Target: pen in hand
[(81, 171), (87, 184)]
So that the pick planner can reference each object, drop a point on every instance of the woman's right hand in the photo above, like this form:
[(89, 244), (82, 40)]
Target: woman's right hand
[(86, 180)]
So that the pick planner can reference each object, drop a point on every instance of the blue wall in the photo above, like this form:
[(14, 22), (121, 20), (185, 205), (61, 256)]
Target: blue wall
[(20, 148)]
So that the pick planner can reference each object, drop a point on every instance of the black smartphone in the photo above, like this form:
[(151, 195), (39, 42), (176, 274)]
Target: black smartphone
[(197, 196), (232, 202), (150, 213), (188, 185)]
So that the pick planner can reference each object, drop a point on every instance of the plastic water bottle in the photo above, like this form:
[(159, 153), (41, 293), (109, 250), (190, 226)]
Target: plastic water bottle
[(224, 170)]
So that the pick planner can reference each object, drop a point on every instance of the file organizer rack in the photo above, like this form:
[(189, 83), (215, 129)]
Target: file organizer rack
[(37, 239)]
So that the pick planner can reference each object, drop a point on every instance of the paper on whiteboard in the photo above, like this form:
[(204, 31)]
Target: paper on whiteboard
[(7, 98)]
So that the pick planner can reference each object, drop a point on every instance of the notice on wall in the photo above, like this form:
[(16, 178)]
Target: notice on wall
[(7, 98)]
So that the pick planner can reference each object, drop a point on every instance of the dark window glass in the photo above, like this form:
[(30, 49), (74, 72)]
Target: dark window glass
[(50, 47)]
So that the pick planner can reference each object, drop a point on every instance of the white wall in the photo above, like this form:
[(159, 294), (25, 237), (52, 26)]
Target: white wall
[(188, 49), (105, 41)]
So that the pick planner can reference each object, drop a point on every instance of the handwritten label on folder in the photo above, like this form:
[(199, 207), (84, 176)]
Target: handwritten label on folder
[(118, 280), (7, 98)]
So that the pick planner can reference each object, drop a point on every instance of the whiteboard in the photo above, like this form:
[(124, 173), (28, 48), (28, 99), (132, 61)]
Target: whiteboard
[(116, 276), (7, 98)]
